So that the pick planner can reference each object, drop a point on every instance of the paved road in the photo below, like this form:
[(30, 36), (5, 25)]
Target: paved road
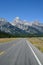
[(17, 52)]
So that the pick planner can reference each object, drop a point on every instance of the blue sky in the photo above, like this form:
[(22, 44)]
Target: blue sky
[(29, 10)]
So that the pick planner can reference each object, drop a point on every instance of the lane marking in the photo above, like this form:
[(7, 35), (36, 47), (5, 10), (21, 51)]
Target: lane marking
[(2, 52), (34, 54)]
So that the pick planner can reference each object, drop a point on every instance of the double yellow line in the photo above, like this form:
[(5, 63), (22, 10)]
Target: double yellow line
[(1, 53)]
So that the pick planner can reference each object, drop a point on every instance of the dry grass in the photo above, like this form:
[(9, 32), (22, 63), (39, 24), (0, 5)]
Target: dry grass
[(2, 40), (38, 42)]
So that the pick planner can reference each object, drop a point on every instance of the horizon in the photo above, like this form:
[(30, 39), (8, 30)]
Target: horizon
[(29, 10)]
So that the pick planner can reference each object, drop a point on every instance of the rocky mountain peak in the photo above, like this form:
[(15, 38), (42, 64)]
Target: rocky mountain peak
[(36, 22), (2, 21)]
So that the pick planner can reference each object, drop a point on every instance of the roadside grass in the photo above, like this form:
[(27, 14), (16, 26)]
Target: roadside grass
[(2, 40), (38, 42)]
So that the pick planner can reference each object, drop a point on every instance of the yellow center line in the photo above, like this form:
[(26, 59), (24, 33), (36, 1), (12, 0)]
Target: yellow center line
[(1, 53)]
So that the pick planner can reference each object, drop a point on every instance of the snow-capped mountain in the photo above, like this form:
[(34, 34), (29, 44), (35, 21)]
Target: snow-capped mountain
[(25, 25), (19, 27), (9, 28), (2, 21), (17, 21), (20, 23)]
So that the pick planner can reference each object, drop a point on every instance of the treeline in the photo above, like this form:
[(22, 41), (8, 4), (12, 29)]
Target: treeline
[(7, 35), (29, 35)]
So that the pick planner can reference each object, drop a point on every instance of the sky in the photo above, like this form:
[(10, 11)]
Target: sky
[(29, 10)]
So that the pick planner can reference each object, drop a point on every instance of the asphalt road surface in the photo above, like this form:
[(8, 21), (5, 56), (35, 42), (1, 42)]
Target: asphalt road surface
[(17, 52)]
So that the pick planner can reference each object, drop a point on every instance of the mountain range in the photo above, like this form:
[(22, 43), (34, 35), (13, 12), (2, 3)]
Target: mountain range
[(19, 27)]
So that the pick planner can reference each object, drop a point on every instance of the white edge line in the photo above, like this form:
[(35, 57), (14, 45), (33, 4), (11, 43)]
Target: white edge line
[(34, 54)]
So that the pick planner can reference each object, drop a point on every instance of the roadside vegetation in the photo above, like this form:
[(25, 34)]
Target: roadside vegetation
[(2, 40), (38, 42)]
